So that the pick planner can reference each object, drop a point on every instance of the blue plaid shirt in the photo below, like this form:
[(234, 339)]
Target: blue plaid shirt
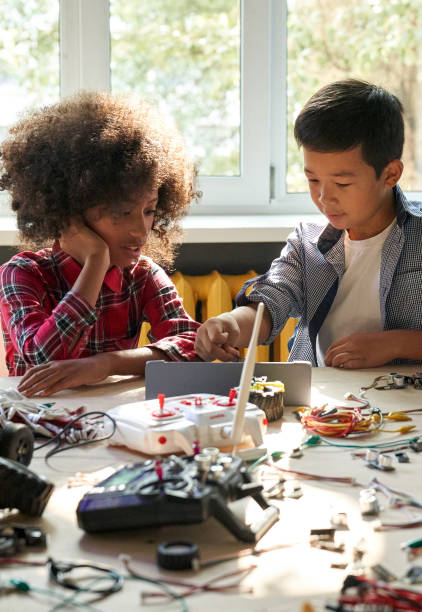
[(302, 282)]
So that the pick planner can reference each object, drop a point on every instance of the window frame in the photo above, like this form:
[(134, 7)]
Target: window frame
[(84, 46), (260, 189), (283, 202), (85, 64)]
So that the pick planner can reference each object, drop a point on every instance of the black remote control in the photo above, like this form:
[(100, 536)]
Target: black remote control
[(21, 488), (175, 490)]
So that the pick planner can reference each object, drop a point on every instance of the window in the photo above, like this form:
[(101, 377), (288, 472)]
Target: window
[(371, 40), (158, 48), (233, 74), (29, 61), (184, 57)]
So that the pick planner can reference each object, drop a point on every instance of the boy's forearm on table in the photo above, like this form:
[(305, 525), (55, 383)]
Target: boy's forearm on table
[(407, 343)]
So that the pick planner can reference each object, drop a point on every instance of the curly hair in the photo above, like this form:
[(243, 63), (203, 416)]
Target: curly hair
[(95, 149)]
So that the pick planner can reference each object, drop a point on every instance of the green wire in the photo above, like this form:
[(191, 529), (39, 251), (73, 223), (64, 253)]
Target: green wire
[(25, 587), (72, 598), (275, 456), (258, 462), (379, 445)]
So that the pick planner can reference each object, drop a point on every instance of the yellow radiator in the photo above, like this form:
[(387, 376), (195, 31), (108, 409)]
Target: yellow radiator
[(216, 293)]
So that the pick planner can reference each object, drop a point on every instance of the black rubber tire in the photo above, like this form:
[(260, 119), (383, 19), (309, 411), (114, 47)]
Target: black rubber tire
[(177, 555), (17, 443)]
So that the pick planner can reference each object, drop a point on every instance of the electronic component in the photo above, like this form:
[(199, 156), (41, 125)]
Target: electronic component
[(361, 593), (379, 461), (268, 395), (396, 381), (368, 502), (383, 573), (412, 544), (414, 575), (325, 534), (399, 381), (16, 442), (292, 489), (329, 546), (276, 490), (416, 446), (339, 521), (14, 538), (43, 419), (324, 539), (179, 422), (173, 490), (402, 457), (413, 548), (23, 489), (161, 426)]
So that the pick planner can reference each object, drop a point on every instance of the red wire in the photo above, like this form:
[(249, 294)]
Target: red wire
[(373, 592)]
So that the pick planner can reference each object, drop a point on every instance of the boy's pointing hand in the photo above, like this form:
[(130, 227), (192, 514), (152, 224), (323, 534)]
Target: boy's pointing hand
[(217, 338)]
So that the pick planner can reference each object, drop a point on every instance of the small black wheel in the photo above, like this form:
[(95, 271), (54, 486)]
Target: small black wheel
[(178, 555), (17, 443)]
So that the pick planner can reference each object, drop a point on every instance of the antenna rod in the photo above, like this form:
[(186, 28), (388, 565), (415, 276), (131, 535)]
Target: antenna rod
[(246, 379)]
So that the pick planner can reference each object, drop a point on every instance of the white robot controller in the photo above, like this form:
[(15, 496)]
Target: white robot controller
[(170, 425), (177, 423)]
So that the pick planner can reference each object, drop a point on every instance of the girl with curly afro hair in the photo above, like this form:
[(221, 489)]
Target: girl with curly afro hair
[(100, 182)]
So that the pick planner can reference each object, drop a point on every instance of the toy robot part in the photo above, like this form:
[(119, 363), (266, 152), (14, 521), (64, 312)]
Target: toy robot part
[(379, 461), (189, 490), (16, 442), (14, 538), (22, 489), (402, 457), (246, 378), (368, 501), (268, 395), (178, 555), (197, 421), (397, 381), (179, 423)]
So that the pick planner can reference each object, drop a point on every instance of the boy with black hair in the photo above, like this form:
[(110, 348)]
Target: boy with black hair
[(355, 284)]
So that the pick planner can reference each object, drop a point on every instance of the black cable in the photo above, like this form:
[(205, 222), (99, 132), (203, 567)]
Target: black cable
[(59, 439), (57, 571)]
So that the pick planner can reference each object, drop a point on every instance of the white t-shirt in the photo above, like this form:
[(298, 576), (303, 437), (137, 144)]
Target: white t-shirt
[(356, 307)]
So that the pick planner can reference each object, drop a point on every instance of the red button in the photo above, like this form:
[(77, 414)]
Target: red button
[(265, 421), (162, 439), (164, 414)]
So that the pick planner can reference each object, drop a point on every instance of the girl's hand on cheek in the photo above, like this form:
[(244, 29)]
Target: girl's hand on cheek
[(82, 243)]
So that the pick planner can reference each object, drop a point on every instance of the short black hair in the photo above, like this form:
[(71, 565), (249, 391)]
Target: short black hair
[(345, 114)]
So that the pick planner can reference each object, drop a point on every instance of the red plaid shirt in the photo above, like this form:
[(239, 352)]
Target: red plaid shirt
[(43, 319)]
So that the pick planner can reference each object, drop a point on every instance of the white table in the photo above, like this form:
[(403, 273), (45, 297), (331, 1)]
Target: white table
[(283, 579)]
